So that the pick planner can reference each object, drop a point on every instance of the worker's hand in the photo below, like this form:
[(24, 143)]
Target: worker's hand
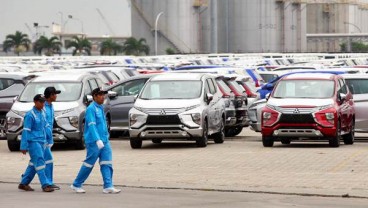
[(100, 144), (24, 152)]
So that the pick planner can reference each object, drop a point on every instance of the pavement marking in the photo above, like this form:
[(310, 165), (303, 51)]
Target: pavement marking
[(339, 166)]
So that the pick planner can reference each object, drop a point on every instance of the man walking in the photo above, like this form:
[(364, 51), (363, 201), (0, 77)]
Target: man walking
[(34, 139), (96, 137), (50, 95)]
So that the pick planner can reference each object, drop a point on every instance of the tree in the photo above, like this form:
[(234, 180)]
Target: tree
[(170, 51), (51, 45), (110, 47), (80, 45), (19, 41), (135, 47)]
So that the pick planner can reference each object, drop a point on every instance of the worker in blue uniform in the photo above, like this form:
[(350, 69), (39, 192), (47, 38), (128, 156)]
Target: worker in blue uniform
[(50, 94), (96, 137), (34, 140)]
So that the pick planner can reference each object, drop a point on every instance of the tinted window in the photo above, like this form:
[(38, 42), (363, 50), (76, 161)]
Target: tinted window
[(5, 83), (130, 88), (304, 89), (93, 84), (357, 86), (211, 87), (224, 86), (342, 87), (113, 76)]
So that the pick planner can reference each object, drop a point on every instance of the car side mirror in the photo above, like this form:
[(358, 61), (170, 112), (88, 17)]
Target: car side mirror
[(341, 97), (135, 97), (15, 98), (209, 97), (268, 96), (112, 94), (88, 99)]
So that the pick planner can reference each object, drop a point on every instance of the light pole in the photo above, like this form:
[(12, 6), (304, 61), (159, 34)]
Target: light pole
[(157, 17), (349, 39), (73, 18)]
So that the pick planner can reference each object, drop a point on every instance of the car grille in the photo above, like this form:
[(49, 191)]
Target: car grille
[(296, 118), (163, 119)]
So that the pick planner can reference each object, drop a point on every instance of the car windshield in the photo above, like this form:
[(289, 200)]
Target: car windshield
[(304, 89), (70, 91), (172, 90)]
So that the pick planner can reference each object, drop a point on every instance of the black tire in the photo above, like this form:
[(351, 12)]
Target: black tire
[(79, 144), (13, 145), (350, 137), (202, 141), (285, 141), (233, 131), (157, 140), (267, 141), (219, 137), (335, 141), (135, 143)]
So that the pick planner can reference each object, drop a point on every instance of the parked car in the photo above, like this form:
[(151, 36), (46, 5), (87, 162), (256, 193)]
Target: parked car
[(76, 89), (358, 86), (229, 97), (11, 85), (126, 92), (173, 106), (240, 103), (314, 105)]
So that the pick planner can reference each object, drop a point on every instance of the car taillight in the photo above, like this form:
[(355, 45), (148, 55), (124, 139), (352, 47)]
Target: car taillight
[(269, 116), (325, 117)]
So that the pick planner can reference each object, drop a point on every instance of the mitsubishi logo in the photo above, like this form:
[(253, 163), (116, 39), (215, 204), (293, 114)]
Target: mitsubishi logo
[(296, 110), (162, 112)]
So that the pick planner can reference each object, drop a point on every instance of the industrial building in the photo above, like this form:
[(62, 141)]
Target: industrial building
[(242, 26)]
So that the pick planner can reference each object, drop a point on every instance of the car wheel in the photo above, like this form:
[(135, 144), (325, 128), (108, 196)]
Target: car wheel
[(157, 141), (13, 145), (135, 143), (335, 141), (202, 141), (233, 131), (219, 137), (267, 141), (238, 130), (285, 141), (350, 137)]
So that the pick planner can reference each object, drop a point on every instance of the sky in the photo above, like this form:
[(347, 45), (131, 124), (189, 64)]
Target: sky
[(16, 14)]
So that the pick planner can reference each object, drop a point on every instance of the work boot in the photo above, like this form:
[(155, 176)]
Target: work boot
[(47, 189), (25, 187), (55, 187)]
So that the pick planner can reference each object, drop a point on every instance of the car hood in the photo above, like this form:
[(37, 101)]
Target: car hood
[(299, 102), (166, 103), (58, 106)]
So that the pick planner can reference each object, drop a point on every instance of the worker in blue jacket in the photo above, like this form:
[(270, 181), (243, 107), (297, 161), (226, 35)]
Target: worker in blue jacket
[(50, 94), (96, 137), (34, 140)]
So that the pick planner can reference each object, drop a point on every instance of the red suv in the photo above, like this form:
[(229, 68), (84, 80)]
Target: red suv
[(317, 106)]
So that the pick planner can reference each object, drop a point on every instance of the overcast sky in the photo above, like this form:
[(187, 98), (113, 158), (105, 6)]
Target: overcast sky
[(15, 14)]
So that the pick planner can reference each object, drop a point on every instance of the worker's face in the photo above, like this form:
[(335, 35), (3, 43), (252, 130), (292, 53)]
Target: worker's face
[(99, 98), (39, 105), (53, 97)]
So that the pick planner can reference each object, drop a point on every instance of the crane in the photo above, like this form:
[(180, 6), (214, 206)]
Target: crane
[(105, 21)]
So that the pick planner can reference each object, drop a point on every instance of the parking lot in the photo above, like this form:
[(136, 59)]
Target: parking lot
[(240, 164)]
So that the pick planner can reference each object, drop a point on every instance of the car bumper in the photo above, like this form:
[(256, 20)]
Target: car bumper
[(166, 131), (292, 130), (58, 136)]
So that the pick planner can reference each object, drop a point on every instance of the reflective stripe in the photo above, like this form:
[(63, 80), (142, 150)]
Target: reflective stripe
[(30, 164), (106, 163), (87, 165), (40, 167), (49, 161), (33, 114), (91, 123), (26, 129)]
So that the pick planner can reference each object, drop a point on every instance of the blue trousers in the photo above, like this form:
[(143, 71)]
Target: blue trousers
[(105, 159), (49, 161), (36, 165)]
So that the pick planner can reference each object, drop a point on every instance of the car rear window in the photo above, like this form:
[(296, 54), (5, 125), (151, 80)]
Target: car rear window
[(223, 85), (5, 83)]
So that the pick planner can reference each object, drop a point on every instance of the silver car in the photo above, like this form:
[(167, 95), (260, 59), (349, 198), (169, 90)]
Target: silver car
[(178, 106), (69, 108), (358, 86)]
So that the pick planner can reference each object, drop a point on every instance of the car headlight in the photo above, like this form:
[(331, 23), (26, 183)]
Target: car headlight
[(19, 113), (196, 117), (10, 120), (74, 121), (137, 118)]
